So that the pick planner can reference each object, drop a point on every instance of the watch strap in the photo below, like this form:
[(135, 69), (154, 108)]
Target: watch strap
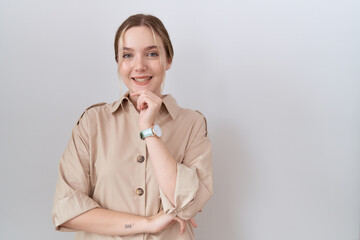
[(146, 133)]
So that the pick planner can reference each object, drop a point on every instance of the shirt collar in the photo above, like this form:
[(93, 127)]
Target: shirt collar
[(115, 105), (169, 104)]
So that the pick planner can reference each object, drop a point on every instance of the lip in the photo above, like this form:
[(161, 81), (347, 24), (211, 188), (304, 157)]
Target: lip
[(141, 77)]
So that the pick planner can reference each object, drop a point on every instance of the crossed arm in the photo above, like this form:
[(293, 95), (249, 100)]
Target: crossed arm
[(107, 222)]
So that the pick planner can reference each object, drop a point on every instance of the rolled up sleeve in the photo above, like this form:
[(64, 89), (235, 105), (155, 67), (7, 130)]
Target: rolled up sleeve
[(72, 195), (194, 175)]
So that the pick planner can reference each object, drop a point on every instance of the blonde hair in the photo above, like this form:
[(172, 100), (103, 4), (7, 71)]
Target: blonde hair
[(156, 26)]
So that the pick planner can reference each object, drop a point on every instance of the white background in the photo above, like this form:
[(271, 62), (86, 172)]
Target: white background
[(277, 80)]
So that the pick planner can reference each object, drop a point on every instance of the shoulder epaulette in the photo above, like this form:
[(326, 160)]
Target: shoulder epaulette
[(204, 120), (94, 105)]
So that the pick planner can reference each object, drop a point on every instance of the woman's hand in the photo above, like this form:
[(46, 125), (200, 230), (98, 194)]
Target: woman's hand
[(148, 104), (161, 221)]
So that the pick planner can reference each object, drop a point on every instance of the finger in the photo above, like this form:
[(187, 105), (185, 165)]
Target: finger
[(182, 224), (140, 100), (192, 221), (143, 106), (147, 93), (141, 103), (152, 101), (172, 222)]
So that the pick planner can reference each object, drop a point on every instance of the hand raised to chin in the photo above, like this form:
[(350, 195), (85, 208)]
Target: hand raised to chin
[(148, 104)]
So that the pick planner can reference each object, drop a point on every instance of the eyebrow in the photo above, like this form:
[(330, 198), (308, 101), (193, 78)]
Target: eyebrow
[(147, 48)]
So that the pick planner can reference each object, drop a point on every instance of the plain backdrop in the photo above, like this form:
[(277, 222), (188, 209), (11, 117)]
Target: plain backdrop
[(278, 81)]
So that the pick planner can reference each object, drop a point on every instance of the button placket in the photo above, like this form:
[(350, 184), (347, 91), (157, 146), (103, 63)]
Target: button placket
[(140, 162), (140, 191)]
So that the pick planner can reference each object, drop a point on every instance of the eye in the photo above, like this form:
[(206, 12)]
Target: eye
[(153, 54), (127, 55)]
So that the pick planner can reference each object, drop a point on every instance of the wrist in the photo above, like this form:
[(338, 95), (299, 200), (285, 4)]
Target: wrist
[(146, 126), (154, 130)]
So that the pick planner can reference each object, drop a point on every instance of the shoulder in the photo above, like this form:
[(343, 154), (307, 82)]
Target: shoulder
[(179, 113), (192, 117), (95, 109), (191, 114), (182, 115)]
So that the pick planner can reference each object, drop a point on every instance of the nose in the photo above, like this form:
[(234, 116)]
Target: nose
[(140, 64)]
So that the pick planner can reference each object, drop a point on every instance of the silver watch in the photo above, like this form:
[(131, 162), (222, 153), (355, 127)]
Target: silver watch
[(153, 131)]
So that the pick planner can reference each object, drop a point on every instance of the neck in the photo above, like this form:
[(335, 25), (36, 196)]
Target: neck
[(133, 100)]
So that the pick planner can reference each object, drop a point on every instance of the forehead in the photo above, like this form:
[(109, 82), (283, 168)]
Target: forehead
[(140, 37)]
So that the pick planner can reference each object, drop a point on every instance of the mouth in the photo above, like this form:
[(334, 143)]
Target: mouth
[(142, 80)]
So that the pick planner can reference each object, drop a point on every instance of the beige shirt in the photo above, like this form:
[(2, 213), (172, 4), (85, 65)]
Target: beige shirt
[(107, 165)]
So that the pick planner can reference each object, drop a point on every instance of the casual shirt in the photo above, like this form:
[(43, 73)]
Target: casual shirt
[(106, 164)]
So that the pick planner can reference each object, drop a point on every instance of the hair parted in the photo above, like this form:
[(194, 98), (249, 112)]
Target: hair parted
[(150, 21)]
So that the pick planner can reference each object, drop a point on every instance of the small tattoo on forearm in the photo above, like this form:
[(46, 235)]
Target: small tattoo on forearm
[(129, 225)]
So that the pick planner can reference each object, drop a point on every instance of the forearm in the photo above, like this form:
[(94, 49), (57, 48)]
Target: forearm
[(107, 222), (164, 165)]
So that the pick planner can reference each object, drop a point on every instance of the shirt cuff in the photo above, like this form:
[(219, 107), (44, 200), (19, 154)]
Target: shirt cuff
[(70, 207), (187, 186)]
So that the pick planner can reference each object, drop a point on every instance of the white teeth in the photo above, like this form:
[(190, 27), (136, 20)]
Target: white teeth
[(142, 79)]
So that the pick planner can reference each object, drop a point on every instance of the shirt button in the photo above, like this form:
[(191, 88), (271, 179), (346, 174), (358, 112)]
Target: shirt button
[(139, 191), (140, 159)]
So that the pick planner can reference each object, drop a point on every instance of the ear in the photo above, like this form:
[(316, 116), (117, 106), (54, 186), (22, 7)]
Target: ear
[(168, 64)]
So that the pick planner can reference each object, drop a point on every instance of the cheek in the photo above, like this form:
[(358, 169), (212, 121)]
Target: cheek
[(124, 69), (158, 66), (164, 64)]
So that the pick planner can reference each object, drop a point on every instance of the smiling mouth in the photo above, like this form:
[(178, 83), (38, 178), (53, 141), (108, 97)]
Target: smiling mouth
[(141, 79)]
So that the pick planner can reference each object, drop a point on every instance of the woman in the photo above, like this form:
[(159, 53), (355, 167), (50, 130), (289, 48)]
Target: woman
[(139, 168)]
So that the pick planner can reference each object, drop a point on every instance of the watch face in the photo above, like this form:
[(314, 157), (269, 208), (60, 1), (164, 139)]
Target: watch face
[(157, 130)]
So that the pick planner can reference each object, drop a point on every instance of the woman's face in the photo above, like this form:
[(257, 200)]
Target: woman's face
[(143, 63)]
